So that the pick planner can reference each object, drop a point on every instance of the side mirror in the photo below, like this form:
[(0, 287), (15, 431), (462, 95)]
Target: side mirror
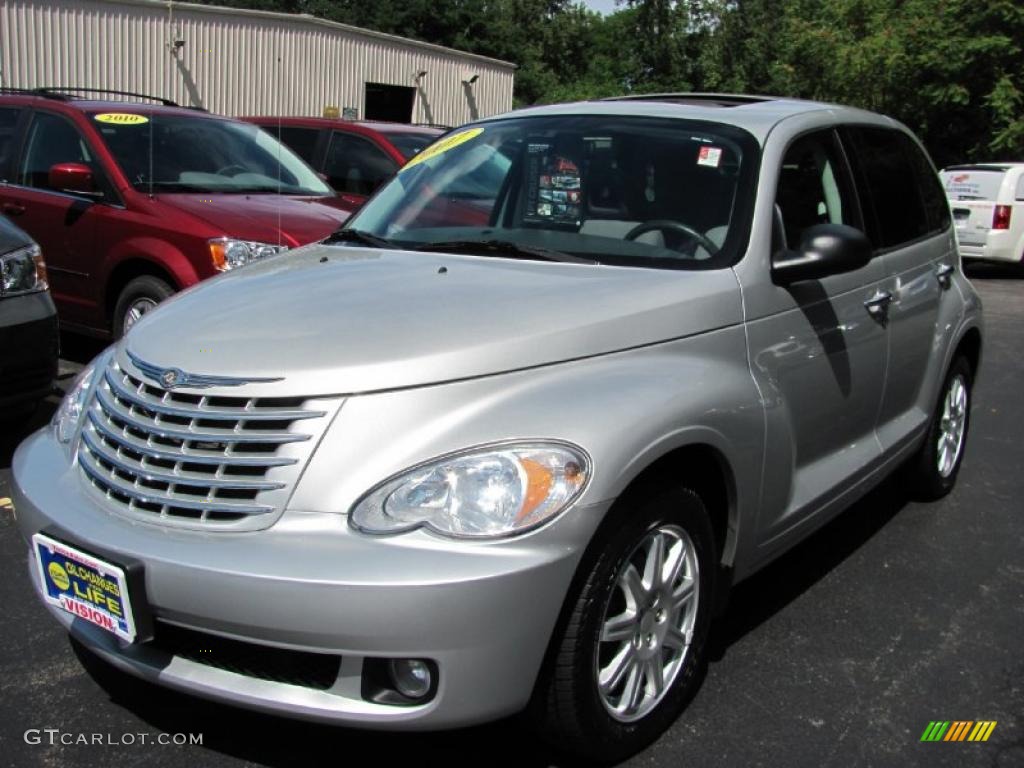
[(74, 178), (825, 249)]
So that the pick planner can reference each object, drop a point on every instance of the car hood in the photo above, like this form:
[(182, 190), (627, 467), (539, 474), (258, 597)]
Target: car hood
[(292, 221), (344, 320)]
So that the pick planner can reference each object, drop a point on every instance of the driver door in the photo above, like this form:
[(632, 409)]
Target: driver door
[(817, 350)]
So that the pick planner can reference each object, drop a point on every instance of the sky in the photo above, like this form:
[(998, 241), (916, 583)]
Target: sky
[(601, 6)]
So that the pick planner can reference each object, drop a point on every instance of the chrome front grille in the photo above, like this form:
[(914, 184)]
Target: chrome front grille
[(196, 460)]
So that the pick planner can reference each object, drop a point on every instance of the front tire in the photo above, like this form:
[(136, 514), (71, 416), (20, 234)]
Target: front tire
[(139, 297), (632, 652), (935, 467)]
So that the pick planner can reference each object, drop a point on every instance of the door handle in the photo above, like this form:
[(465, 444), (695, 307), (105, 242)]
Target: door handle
[(944, 274), (13, 209), (878, 305)]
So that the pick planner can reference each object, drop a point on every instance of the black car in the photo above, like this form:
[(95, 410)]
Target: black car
[(28, 325)]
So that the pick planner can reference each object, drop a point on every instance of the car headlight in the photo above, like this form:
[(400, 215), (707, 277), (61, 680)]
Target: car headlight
[(227, 253), (69, 415), (22, 271), (487, 492)]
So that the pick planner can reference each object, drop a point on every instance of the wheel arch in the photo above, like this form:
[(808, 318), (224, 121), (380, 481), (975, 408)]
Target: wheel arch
[(704, 469), (126, 271), (969, 346)]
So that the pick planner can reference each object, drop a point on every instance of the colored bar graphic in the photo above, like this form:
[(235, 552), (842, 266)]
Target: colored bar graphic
[(935, 730), (958, 730)]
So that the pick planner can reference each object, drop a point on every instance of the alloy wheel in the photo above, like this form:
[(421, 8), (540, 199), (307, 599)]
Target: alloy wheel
[(648, 623), (952, 426)]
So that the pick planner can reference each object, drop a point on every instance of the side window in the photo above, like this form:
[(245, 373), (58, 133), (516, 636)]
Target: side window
[(355, 165), (888, 186), (51, 140), (8, 132), (933, 196), (1019, 196), (302, 141), (813, 188)]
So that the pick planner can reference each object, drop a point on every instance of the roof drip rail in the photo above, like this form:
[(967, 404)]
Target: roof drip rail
[(55, 92), (33, 92), (709, 99)]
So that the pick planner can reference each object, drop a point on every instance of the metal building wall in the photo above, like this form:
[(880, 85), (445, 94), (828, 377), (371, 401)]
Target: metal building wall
[(237, 62)]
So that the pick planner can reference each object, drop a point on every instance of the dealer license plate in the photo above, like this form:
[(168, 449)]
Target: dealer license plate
[(85, 586)]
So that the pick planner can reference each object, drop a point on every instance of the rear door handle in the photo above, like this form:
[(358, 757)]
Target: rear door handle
[(878, 305), (13, 209), (944, 274)]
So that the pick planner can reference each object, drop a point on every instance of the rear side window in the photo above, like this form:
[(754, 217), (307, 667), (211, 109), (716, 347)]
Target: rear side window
[(51, 140), (302, 141), (933, 196), (356, 165), (893, 186), (8, 129)]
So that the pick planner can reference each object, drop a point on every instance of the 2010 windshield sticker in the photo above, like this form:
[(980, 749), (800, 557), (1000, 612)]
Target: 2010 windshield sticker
[(121, 118), (442, 146), (709, 156)]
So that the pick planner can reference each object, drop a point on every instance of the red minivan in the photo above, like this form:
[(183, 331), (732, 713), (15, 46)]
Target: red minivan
[(132, 201)]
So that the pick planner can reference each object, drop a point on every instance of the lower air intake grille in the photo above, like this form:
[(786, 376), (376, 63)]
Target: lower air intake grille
[(308, 670)]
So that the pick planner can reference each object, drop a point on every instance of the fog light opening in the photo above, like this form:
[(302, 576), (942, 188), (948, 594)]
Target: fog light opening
[(411, 677)]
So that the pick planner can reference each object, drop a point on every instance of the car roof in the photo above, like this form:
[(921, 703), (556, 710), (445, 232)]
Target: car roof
[(373, 125), (71, 102), (999, 167), (756, 114)]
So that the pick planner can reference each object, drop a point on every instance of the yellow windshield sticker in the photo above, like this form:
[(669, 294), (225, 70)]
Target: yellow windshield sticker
[(442, 146), (122, 118)]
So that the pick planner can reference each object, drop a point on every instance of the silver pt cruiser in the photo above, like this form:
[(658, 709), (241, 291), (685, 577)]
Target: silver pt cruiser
[(506, 440)]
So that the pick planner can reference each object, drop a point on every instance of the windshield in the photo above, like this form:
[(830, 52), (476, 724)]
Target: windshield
[(182, 153), (410, 144), (617, 190)]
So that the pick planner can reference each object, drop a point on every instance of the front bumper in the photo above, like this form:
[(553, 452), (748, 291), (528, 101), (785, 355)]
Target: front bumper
[(482, 611), (28, 348)]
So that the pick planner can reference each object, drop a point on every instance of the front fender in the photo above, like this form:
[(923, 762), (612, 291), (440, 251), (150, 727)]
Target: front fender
[(158, 252), (626, 410)]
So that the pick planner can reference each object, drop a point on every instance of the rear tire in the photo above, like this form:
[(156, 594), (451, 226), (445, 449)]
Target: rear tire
[(140, 296), (590, 701), (933, 471)]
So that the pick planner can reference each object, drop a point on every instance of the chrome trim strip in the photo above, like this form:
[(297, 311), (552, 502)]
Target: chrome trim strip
[(101, 477), (182, 454), (114, 408), (177, 477), (121, 389), (194, 380)]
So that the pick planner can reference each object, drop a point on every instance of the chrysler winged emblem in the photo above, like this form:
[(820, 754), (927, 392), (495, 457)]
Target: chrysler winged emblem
[(172, 378)]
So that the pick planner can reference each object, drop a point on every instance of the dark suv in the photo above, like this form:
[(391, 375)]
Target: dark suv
[(132, 201), (355, 157), (28, 326)]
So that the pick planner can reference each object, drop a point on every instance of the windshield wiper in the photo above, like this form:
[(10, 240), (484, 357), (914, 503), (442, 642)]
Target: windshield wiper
[(344, 235), (502, 248)]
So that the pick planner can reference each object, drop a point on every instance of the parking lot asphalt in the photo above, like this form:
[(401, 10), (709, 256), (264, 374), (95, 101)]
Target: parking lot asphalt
[(896, 614)]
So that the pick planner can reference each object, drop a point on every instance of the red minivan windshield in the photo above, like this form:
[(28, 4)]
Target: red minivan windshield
[(183, 153)]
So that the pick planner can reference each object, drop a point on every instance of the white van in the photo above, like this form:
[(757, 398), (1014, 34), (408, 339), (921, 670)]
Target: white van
[(988, 208)]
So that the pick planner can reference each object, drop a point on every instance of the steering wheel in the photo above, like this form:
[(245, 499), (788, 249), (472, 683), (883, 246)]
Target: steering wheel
[(668, 225), (234, 166)]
